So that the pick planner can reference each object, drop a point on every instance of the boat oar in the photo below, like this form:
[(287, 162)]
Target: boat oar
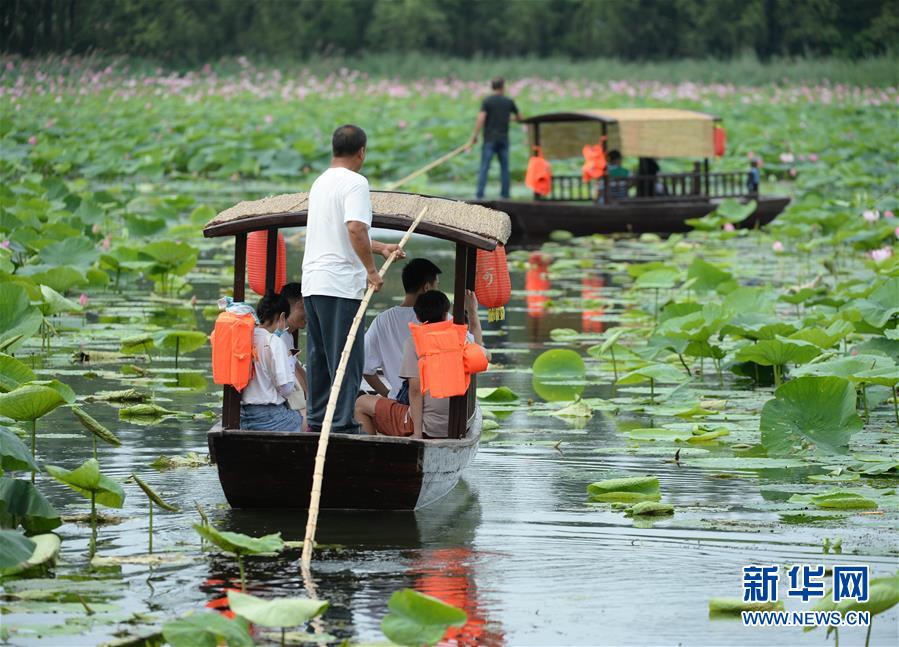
[(424, 169), (318, 473)]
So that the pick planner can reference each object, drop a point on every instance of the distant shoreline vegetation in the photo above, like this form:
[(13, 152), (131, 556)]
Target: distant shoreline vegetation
[(879, 71)]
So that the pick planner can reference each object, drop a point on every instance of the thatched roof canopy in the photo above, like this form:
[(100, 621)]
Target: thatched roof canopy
[(636, 132), (447, 219)]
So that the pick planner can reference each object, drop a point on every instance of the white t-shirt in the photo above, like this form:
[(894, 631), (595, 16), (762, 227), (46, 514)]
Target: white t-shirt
[(272, 368), (330, 264), (384, 341)]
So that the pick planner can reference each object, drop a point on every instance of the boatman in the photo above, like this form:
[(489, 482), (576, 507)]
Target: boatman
[(338, 263), (494, 119)]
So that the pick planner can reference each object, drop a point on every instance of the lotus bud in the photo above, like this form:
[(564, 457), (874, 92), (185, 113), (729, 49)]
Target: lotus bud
[(870, 215), (729, 226), (778, 246), (82, 300)]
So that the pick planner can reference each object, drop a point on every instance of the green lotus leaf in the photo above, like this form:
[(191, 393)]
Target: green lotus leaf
[(778, 352), (758, 326), (46, 548), (816, 410), (22, 504), (13, 373), (15, 548), (497, 394), (286, 612), (659, 372), (843, 500), (558, 375), (416, 619), (19, 320), (881, 305), (54, 303), (14, 455), (707, 276), (34, 399), (747, 300), (95, 427), (625, 490), (207, 630), (137, 344), (650, 509), (62, 278), (145, 410), (824, 337), (79, 252), (184, 341), (87, 480), (885, 376), (735, 606), (240, 544), (661, 279), (152, 495)]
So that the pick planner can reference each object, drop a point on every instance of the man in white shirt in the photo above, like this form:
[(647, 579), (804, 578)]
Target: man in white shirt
[(388, 332), (338, 263)]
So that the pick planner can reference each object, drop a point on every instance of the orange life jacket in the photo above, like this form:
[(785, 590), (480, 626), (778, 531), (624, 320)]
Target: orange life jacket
[(539, 176), (232, 349), (445, 360), (594, 161)]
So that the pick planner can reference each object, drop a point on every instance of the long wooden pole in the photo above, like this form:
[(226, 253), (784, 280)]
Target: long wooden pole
[(424, 169), (319, 472)]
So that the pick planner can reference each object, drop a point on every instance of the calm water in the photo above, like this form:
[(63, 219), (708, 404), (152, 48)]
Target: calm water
[(516, 544)]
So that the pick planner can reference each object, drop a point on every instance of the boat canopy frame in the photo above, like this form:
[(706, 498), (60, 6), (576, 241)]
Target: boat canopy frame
[(485, 229), (635, 132)]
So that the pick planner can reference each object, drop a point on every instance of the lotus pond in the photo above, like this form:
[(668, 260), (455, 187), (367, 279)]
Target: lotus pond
[(660, 413)]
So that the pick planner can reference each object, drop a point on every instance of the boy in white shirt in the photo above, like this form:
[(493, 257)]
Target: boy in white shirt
[(388, 332)]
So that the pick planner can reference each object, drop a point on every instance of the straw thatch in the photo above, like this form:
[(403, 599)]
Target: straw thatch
[(471, 218), (636, 132)]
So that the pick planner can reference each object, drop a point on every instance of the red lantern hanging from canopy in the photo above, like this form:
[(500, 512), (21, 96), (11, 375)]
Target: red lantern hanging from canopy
[(257, 254), (720, 141), (492, 284)]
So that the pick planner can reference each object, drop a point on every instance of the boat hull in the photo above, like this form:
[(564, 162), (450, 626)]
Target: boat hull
[(273, 469), (533, 221)]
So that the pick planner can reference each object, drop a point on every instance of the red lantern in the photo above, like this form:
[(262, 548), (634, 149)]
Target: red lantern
[(720, 141), (492, 284), (257, 252)]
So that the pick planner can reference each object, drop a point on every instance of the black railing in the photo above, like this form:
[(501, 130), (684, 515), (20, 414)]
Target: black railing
[(659, 187)]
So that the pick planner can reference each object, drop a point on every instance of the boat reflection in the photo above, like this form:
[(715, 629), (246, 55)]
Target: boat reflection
[(363, 557), (591, 294)]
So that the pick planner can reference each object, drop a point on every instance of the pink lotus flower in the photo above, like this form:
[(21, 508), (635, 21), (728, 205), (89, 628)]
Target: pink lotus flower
[(82, 300), (870, 215), (268, 119), (778, 247), (793, 172), (787, 158), (401, 124), (888, 214), (880, 255), (729, 226), (32, 141), (812, 157), (5, 244), (105, 243), (896, 231)]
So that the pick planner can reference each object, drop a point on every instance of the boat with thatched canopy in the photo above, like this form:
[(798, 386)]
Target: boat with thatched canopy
[(651, 202), (271, 469)]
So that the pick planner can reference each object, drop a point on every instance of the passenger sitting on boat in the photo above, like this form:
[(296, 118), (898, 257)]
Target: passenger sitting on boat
[(263, 405), (388, 332), (618, 176), (754, 178), (296, 321), (424, 416)]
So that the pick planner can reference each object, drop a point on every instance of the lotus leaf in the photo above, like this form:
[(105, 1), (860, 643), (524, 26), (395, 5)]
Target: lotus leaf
[(416, 619), (15, 548), (95, 427), (625, 490), (707, 276), (152, 495), (287, 612), (78, 252), (87, 480), (206, 630), (54, 303), (14, 455), (46, 548), (13, 373), (735, 606), (817, 410), (497, 395), (558, 375), (19, 320), (778, 352), (657, 372), (22, 504), (650, 508), (240, 544), (35, 399)]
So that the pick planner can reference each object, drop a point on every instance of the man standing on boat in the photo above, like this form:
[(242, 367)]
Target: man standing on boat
[(496, 110), (338, 262)]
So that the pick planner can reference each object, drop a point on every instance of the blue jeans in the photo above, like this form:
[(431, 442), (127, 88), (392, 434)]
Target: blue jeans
[(501, 150), (270, 417)]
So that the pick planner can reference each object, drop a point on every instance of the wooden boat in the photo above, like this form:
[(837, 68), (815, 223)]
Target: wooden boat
[(659, 202), (266, 469)]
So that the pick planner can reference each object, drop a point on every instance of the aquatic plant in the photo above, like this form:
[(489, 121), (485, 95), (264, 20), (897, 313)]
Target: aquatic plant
[(96, 429), (207, 629), (90, 483), (152, 497), (416, 619), (276, 614), (239, 544)]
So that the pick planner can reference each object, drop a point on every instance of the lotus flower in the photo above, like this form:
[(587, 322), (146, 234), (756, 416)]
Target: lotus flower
[(870, 215), (268, 119), (887, 214), (105, 243), (729, 226), (778, 247), (812, 157), (82, 300), (5, 244), (32, 140), (787, 158), (793, 171)]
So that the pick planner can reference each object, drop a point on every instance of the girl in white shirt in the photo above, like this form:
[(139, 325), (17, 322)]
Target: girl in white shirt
[(263, 404)]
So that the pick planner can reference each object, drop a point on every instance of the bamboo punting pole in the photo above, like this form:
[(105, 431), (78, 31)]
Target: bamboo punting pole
[(424, 169), (319, 471)]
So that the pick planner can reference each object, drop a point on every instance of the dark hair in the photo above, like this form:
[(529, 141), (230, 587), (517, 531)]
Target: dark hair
[(497, 83), (270, 306), (417, 272), (431, 307), (292, 291), (614, 155), (348, 140)]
